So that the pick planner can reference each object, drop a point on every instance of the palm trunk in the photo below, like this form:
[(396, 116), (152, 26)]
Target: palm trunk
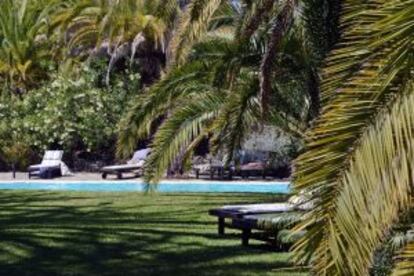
[(281, 26), (255, 20), (314, 94)]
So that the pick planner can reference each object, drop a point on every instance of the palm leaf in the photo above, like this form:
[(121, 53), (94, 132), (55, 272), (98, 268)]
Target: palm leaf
[(280, 26), (137, 124), (252, 18), (361, 146), (178, 132), (405, 261), (237, 115), (193, 24)]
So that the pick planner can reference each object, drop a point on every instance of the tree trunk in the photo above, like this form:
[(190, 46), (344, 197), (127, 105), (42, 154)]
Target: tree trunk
[(14, 170), (255, 20), (281, 26), (314, 94)]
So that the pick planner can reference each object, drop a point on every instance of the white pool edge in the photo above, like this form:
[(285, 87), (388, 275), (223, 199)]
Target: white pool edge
[(139, 181)]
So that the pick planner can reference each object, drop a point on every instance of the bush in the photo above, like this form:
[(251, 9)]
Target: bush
[(16, 154), (77, 113)]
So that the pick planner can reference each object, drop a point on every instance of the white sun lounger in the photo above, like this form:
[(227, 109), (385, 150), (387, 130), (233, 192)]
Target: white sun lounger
[(50, 165)]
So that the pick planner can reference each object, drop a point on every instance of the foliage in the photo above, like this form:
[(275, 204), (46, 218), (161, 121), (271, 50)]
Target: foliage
[(322, 24), (70, 113), (215, 92), (129, 31), (359, 151), (193, 24), (404, 266), (145, 35), (16, 153), (24, 47)]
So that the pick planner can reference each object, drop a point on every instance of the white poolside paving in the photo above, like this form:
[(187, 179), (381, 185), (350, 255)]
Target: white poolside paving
[(81, 176), (92, 177)]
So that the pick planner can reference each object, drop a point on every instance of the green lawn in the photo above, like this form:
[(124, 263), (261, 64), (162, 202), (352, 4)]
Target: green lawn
[(73, 233)]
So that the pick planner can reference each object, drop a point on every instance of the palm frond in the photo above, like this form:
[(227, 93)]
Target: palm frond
[(361, 146), (252, 18), (178, 132), (405, 261), (22, 25), (137, 123), (193, 24), (280, 221), (280, 26), (237, 115), (166, 10), (351, 229), (350, 53), (286, 236)]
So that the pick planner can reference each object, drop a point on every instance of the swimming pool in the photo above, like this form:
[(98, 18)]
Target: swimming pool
[(167, 187)]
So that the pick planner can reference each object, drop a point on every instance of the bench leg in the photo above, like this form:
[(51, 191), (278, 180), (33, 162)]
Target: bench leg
[(221, 226), (119, 175), (246, 236), (221, 172), (104, 175)]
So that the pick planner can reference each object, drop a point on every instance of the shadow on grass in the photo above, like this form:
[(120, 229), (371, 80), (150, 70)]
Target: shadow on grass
[(67, 233)]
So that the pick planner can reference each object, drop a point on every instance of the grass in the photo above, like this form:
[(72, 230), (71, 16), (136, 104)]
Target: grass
[(77, 233)]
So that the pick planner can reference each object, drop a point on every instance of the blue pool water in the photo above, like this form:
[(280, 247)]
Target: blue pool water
[(200, 187)]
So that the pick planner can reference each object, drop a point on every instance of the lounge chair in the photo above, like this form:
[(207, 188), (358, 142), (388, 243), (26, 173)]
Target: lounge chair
[(136, 165), (270, 222), (274, 228), (50, 167), (254, 169), (240, 211), (212, 168), (253, 164)]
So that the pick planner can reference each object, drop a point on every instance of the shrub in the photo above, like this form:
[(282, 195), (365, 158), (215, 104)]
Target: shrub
[(16, 154), (76, 113)]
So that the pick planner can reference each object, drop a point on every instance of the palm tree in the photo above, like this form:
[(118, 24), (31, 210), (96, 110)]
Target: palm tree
[(215, 92), (23, 42), (200, 12), (136, 30), (359, 158)]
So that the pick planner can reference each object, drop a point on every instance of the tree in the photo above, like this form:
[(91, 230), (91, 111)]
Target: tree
[(359, 157), (200, 12), (74, 113), (132, 31), (212, 90), (23, 42)]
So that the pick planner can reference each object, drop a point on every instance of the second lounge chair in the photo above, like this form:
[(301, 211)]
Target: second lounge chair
[(136, 165)]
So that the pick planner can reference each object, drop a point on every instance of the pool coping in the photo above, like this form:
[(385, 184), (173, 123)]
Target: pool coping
[(139, 181)]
